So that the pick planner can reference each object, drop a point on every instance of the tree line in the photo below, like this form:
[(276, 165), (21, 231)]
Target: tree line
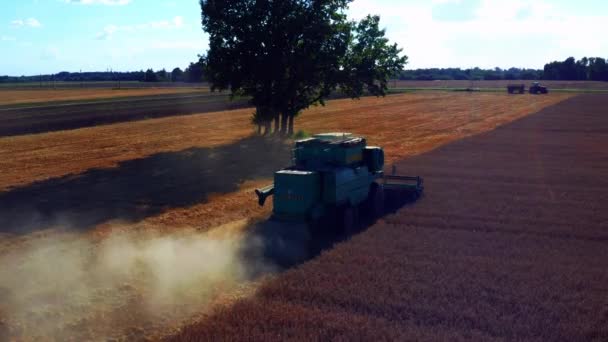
[(584, 69), (472, 74), (192, 74)]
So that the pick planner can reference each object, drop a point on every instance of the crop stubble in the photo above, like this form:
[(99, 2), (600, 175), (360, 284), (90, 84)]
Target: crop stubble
[(405, 125), (12, 97), (509, 242)]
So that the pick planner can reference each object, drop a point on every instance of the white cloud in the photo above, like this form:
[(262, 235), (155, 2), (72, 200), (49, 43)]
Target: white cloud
[(175, 45), (107, 33), (29, 22), (497, 33), (99, 2), (7, 39), (32, 22), (50, 53), (446, 1), (178, 21)]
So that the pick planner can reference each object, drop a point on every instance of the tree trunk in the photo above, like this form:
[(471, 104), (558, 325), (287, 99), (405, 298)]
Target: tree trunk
[(284, 124), (276, 123), (291, 118), (267, 127)]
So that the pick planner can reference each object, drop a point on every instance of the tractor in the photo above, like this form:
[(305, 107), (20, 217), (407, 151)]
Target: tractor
[(335, 178), (537, 88)]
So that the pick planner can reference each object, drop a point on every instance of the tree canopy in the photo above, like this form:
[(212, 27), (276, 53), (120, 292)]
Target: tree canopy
[(288, 55), (592, 69)]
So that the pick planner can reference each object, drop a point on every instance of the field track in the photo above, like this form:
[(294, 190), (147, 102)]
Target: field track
[(509, 242)]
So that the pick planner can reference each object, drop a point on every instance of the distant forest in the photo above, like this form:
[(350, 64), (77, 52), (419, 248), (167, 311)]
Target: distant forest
[(193, 74), (585, 69)]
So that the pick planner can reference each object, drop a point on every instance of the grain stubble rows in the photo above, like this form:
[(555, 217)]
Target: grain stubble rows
[(152, 162), (509, 242)]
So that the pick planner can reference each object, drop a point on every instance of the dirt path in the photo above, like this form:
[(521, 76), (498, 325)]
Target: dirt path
[(509, 242)]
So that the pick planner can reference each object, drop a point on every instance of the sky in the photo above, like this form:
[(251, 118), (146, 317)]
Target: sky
[(49, 36)]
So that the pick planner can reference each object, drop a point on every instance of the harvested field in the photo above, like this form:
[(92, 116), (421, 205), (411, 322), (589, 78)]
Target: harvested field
[(405, 125), (509, 242), (54, 116), (163, 183), (16, 96)]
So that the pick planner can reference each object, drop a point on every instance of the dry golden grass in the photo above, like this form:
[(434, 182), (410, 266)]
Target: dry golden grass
[(11, 97)]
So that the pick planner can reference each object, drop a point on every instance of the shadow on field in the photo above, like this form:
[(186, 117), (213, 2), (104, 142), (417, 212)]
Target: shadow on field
[(139, 188), (50, 117), (286, 244)]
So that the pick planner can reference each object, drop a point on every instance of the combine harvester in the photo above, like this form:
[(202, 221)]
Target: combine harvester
[(335, 178)]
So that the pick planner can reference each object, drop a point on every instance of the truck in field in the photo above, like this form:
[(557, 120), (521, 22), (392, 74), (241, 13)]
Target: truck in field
[(516, 88)]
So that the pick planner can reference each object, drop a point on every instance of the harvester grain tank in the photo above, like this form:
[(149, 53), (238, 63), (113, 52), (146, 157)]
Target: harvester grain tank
[(334, 175)]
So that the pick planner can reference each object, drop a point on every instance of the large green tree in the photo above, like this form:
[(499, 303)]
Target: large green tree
[(288, 55)]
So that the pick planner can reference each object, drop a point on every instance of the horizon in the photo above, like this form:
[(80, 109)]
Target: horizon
[(51, 36)]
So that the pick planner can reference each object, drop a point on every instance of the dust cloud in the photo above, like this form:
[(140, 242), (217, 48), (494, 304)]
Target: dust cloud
[(131, 284)]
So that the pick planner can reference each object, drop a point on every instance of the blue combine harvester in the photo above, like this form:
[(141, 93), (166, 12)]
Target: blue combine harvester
[(335, 176)]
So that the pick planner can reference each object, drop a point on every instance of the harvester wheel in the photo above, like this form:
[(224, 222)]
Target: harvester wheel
[(349, 220), (376, 201)]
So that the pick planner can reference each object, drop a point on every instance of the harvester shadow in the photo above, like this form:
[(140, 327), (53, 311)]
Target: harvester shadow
[(139, 188), (284, 245)]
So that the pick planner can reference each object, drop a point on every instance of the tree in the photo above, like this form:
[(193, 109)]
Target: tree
[(177, 75), (568, 69), (288, 55), (571, 69), (194, 72), (161, 75), (150, 76), (598, 70)]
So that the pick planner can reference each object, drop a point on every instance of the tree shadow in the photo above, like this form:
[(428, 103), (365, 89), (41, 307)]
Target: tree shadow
[(41, 118), (139, 188)]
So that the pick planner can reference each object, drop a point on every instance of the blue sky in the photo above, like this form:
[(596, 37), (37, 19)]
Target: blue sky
[(47, 36)]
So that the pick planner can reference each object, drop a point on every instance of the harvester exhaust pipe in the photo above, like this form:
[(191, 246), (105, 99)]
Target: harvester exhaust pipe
[(264, 193)]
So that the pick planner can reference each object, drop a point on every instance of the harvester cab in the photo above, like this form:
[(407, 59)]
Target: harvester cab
[(334, 175), (537, 88)]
